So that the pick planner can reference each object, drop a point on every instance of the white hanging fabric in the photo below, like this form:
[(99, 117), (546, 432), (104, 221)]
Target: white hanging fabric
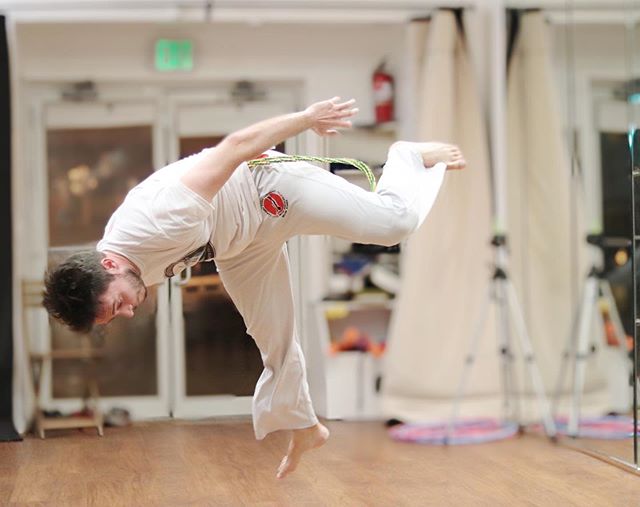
[(447, 263), (546, 245)]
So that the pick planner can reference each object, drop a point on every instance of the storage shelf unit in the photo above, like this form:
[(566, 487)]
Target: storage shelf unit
[(352, 377)]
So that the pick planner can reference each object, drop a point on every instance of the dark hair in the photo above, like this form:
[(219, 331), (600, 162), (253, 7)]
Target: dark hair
[(73, 288)]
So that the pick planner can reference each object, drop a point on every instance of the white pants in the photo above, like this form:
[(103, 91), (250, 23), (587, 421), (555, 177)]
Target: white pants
[(310, 200)]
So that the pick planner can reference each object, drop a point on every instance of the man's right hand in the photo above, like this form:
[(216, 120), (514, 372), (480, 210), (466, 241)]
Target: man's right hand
[(330, 115)]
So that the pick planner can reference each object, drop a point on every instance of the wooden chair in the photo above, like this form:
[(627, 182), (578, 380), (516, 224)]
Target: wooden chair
[(32, 294)]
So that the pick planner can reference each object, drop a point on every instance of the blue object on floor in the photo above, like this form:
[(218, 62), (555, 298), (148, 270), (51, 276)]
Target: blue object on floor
[(472, 431), (608, 427)]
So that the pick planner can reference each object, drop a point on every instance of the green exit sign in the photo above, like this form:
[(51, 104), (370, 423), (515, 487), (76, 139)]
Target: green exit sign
[(174, 55)]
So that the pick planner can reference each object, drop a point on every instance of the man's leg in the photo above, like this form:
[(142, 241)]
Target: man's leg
[(258, 282), (300, 198), (318, 202)]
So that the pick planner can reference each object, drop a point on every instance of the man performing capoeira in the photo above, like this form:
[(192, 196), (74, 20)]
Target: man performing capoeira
[(213, 206)]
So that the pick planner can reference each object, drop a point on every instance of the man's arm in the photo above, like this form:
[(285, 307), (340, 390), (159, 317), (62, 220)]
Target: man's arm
[(207, 176)]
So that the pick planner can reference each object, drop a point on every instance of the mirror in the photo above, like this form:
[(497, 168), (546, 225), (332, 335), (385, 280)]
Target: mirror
[(571, 105), (634, 172)]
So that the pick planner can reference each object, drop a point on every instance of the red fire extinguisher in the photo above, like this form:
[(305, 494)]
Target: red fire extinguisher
[(383, 94)]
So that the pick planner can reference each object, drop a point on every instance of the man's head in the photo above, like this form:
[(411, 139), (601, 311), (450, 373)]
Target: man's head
[(92, 288)]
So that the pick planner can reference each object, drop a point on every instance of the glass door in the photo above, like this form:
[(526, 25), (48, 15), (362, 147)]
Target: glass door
[(215, 363), (93, 154)]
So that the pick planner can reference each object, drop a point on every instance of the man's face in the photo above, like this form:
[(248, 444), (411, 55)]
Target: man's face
[(123, 295)]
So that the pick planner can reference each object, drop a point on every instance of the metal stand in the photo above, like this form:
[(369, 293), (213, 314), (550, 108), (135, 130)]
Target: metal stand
[(596, 290), (503, 293)]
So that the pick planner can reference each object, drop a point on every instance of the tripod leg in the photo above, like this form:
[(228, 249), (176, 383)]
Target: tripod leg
[(582, 352), (504, 340), (605, 288), (470, 359), (568, 359), (536, 378)]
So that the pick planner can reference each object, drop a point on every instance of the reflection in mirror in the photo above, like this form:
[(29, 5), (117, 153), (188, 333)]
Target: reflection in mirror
[(633, 100), (635, 187), (569, 213), (592, 54)]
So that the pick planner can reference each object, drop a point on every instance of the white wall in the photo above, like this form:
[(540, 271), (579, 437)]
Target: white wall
[(328, 59)]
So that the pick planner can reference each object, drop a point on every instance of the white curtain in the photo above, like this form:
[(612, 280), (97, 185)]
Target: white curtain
[(546, 245), (446, 264)]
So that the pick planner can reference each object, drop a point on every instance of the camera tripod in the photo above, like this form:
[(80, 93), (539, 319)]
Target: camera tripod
[(502, 292)]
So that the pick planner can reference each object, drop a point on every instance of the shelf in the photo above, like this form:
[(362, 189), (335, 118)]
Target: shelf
[(352, 377), (68, 354), (69, 422), (352, 305)]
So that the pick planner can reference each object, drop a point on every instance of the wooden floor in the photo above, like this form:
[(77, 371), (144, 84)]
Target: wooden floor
[(617, 449), (219, 463)]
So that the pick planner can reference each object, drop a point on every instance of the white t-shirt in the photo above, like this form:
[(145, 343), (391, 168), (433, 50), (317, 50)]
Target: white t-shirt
[(163, 226)]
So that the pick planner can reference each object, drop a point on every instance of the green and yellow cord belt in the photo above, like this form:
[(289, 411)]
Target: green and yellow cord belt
[(358, 164)]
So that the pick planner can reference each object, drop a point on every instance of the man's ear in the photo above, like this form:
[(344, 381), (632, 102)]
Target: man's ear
[(109, 264)]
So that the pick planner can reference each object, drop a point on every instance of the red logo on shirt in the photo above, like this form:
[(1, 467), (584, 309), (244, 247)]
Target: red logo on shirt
[(274, 204)]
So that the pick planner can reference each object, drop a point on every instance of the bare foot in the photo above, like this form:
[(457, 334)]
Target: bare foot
[(301, 441), (432, 153)]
